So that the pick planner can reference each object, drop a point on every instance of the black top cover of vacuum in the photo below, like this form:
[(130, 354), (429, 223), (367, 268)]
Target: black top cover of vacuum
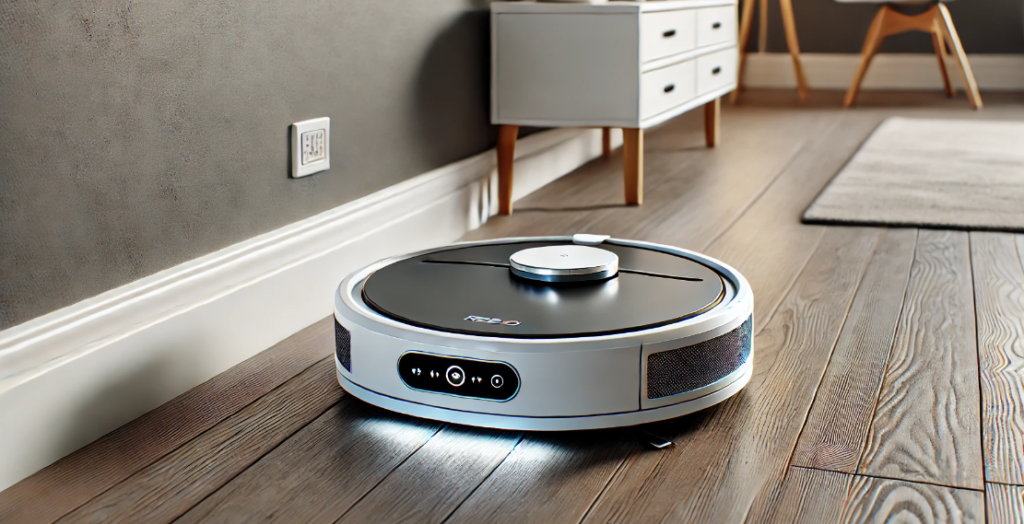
[(471, 290)]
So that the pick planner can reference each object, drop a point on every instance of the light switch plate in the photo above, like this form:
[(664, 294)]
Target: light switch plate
[(311, 146)]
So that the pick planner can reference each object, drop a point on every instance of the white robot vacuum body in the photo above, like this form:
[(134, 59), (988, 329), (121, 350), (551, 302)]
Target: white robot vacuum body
[(547, 333)]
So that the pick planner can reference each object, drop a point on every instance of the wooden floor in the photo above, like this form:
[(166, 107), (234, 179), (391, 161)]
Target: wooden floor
[(888, 373)]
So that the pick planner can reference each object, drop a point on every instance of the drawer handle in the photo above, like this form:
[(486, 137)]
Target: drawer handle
[(669, 34), (716, 70), (669, 88), (716, 25)]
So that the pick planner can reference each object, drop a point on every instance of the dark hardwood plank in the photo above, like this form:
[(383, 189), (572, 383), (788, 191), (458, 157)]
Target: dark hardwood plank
[(807, 495), (874, 500), (727, 456), (437, 478), (548, 477), (321, 471), (167, 488), (1005, 504), (834, 434), (999, 296), (768, 244), (692, 193), (927, 425), (72, 481)]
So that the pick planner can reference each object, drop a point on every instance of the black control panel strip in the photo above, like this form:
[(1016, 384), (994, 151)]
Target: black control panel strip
[(461, 377)]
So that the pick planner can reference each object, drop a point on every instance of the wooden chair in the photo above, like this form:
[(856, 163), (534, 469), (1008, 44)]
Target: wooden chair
[(935, 21), (788, 23)]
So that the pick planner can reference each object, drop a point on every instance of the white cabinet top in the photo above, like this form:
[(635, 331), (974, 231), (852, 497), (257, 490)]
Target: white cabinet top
[(603, 7)]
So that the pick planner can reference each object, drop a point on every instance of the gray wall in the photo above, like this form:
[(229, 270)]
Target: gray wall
[(825, 26), (138, 135)]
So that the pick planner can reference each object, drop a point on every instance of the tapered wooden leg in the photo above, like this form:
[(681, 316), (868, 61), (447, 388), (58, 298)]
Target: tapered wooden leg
[(506, 154), (940, 52), (789, 22), (712, 119), (606, 141), (745, 20), (961, 57), (633, 165), (871, 42)]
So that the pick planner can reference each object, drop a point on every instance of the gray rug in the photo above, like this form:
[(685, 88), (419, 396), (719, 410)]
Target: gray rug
[(957, 174)]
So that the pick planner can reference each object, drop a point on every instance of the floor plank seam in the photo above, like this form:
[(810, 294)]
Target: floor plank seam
[(390, 471), (896, 479), (775, 178), (183, 443), (1004, 484), (892, 347), (977, 355), (832, 352), (484, 479), (604, 489), (789, 287), (269, 451)]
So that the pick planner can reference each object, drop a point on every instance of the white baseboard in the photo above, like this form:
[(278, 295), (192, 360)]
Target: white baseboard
[(73, 375), (896, 71)]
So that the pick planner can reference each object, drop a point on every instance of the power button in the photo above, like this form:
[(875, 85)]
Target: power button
[(497, 381)]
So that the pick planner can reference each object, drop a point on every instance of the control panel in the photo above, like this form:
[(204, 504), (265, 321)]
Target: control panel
[(462, 377)]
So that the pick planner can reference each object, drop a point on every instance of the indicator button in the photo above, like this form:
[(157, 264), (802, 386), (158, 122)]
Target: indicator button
[(497, 381), (455, 376), (417, 371)]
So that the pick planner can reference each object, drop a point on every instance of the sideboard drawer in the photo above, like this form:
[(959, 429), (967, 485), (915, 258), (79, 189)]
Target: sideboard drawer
[(716, 70), (666, 33), (716, 25), (663, 89)]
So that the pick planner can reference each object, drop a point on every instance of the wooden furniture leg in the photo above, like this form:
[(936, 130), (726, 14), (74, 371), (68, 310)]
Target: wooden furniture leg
[(606, 141), (745, 20), (961, 57), (871, 42), (940, 51), (712, 122), (633, 165), (789, 22), (762, 27), (506, 154)]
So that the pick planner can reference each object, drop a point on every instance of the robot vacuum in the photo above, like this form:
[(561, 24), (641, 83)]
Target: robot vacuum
[(547, 333)]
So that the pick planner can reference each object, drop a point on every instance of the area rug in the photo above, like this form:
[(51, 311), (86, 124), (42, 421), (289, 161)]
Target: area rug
[(956, 174)]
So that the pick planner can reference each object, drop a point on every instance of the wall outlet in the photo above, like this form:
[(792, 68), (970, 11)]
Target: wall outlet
[(311, 146)]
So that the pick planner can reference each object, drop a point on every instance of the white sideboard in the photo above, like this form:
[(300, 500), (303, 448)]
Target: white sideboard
[(630, 65)]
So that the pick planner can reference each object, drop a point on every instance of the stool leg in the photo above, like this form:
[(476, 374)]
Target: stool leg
[(633, 165), (789, 22), (867, 53), (606, 141), (712, 122), (940, 52), (745, 20), (961, 57), (506, 154)]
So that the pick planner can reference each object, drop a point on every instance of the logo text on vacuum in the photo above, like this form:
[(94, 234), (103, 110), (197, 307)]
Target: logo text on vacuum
[(488, 320)]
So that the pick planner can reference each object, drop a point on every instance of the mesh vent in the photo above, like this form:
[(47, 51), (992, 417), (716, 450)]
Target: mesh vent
[(687, 368), (343, 345)]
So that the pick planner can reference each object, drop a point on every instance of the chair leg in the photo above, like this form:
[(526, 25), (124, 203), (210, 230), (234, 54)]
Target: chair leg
[(606, 141), (712, 122), (745, 19), (940, 51), (506, 154), (789, 22), (961, 57), (762, 26), (871, 42), (633, 165)]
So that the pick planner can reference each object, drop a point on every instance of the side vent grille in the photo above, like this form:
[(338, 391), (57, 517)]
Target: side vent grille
[(687, 368), (343, 345)]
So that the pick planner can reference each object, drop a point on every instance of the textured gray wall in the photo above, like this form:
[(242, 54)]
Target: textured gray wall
[(825, 26), (138, 135)]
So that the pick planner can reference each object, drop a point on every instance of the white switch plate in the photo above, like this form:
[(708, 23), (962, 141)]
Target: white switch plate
[(311, 146)]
